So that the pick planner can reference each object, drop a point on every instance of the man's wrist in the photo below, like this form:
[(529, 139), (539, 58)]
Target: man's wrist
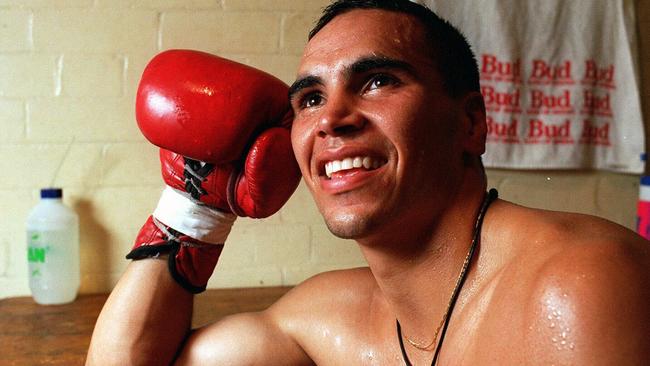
[(198, 221)]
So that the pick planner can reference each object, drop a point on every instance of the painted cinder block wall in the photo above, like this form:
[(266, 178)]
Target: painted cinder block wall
[(68, 74)]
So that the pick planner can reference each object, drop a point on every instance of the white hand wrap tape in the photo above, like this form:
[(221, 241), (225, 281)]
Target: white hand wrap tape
[(197, 221)]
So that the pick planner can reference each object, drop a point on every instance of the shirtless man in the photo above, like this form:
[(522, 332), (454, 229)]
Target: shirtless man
[(541, 287)]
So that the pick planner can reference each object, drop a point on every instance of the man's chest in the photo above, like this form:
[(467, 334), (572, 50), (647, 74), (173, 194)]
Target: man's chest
[(481, 331)]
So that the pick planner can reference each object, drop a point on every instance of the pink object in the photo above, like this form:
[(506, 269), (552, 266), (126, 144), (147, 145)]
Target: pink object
[(643, 208)]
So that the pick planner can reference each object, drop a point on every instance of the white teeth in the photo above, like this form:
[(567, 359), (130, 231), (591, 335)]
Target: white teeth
[(346, 164), (367, 162), (336, 166), (357, 162), (351, 163)]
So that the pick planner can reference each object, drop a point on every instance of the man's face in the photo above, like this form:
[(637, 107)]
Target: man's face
[(374, 133)]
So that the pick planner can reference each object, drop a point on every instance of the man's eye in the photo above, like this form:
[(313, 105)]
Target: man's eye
[(311, 100), (381, 80)]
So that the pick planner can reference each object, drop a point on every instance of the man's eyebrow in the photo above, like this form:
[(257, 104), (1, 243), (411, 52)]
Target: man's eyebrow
[(369, 63), (303, 83)]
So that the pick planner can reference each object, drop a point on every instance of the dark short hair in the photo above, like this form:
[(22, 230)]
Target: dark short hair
[(452, 53)]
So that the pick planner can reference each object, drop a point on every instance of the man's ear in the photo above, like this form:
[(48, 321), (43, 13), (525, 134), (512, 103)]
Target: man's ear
[(474, 123)]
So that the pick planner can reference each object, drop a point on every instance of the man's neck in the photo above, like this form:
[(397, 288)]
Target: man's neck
[(418, 270)]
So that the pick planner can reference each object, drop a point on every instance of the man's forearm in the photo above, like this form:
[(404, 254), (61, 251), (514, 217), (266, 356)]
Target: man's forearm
[(145, 319)]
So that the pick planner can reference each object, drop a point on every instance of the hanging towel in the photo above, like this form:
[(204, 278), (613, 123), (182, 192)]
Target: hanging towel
[(559, 78)]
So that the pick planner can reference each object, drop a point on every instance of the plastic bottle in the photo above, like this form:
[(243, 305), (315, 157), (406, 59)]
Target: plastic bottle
[(53, 249), (643, 206)]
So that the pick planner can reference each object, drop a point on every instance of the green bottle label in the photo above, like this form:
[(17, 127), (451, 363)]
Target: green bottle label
[(37, 253)]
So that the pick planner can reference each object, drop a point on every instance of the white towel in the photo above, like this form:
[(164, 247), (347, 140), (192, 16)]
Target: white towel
[(560, 80)]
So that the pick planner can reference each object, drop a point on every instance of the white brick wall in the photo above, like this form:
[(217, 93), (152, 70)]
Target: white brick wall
[(68, 75), (15, 30), (221, 32), (13, 115), (95, 30), (99, 75), (27, 75)]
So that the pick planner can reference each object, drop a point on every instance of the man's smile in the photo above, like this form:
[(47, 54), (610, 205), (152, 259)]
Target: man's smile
[(336, 168), (349, 179), (347, 167)]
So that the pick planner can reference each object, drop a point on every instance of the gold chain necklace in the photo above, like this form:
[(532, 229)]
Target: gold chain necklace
[(490, 197), (449, 304)]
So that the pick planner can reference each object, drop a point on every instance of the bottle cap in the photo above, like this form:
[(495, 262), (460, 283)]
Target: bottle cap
[(51, 193)]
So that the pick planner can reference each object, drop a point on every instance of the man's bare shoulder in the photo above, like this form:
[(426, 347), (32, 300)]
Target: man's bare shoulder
[(300, 328), (536, 235), (326, 292), (516, 222), (335, 310), (584, 287)]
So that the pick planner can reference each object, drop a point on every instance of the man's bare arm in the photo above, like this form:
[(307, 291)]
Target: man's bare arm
[(145, 319), (291, 331), (242, 339)]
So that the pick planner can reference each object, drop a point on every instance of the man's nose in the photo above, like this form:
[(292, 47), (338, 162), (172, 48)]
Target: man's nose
[(340, 117)]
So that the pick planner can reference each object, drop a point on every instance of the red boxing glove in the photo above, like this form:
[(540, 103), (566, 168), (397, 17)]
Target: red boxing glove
[(191, 262), (223, 129)]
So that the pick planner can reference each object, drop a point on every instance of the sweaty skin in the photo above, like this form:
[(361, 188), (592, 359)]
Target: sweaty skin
[(544, 287)]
